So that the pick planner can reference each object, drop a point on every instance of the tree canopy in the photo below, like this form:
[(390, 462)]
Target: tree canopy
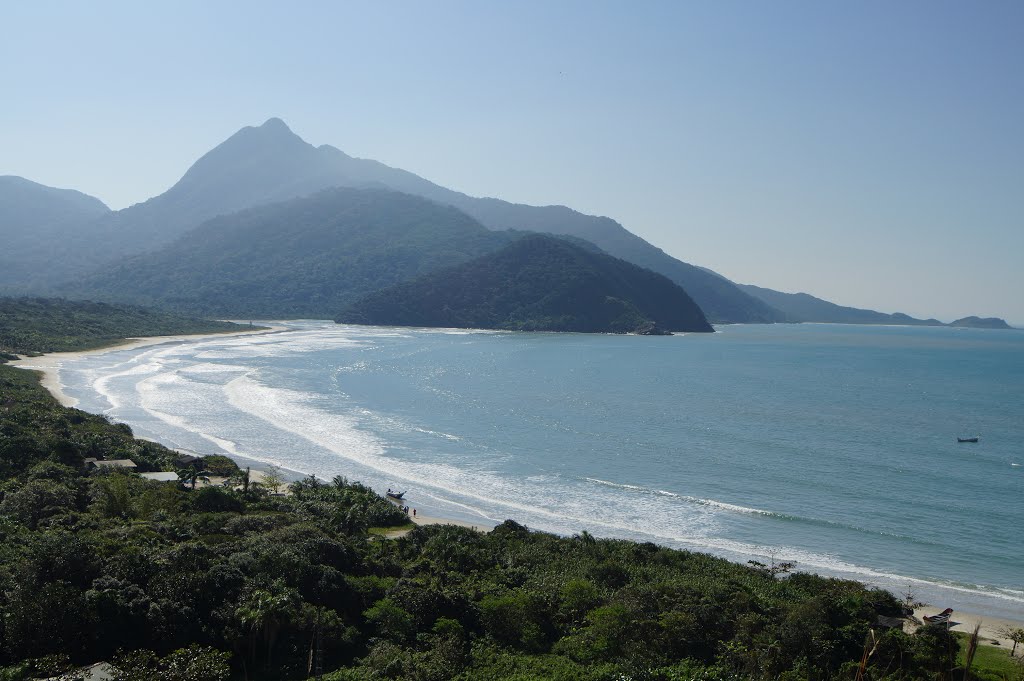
[(536, 283), (166, 582)]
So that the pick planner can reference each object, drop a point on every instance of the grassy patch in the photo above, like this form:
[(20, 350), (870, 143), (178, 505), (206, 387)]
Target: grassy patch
[(386, 531), (995, 660)]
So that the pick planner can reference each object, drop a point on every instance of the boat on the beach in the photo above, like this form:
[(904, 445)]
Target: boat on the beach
[(397, 496), (968, 439), (939, 618)]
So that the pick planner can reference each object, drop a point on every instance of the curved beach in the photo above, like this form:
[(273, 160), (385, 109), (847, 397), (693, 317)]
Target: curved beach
[(364, 443)]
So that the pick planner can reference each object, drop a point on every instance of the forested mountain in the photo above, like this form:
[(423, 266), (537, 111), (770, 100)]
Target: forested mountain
[(304, 257), (720, 299), (32, 216), (55, 325), (269, 163), (536, 283), (801, 307), (326, 166)]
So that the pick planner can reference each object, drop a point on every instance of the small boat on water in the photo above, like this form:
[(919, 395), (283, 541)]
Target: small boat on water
[(397, 496), (968, 439)]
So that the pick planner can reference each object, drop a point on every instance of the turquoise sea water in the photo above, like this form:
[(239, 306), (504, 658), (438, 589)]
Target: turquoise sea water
[(831, 446)]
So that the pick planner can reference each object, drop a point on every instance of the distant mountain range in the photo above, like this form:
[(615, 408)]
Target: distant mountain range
[(269, 163), (64, 241), (32, 218), (536, 283), (802, 307)]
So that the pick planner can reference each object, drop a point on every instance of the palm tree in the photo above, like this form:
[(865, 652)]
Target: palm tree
[(266, 611), (191, 476)]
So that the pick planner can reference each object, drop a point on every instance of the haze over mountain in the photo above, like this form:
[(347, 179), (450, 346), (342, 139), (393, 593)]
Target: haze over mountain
[(269, 163), (307, 257), (803, 307), (261, 165), (536, 283), (32, 216)]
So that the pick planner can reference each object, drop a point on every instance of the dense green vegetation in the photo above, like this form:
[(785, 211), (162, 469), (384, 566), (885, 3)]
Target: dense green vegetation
[(303, 258), (721, 300), (30, 325), (167, 582), (537, 283)]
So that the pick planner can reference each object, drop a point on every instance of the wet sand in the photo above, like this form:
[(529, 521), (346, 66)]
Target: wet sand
[(49, 365)]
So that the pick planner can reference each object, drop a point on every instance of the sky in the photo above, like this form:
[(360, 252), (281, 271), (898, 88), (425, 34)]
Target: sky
[(869, 153)]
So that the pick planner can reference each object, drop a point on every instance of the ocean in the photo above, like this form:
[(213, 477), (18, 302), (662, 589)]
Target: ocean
[(833, 447)]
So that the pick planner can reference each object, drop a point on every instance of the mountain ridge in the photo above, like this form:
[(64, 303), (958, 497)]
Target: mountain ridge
[(263, 164), (304, 257), (536, 283), (803, 307), (32, 217)]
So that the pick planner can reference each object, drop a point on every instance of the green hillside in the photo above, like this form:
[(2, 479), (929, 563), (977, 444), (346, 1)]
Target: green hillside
[(537, 283), (53, 325), (269, 163), (301, 258)]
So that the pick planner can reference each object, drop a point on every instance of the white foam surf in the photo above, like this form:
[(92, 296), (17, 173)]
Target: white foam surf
[(228, 406)]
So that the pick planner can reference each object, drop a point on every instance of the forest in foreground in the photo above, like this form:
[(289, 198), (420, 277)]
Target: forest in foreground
[(167, 581)]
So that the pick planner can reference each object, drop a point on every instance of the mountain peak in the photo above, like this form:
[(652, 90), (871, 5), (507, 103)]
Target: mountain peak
[(275, 125)]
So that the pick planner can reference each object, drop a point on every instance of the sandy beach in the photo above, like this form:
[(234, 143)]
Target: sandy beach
[(427, 520), (49, 365), (990, 632), (419, 519)]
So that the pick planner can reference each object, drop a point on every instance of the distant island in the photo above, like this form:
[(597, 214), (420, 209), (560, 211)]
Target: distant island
[(981, 323), (537, 283)]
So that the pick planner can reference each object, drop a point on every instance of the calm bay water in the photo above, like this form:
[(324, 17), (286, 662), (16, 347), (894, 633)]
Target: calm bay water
[(831, 446)]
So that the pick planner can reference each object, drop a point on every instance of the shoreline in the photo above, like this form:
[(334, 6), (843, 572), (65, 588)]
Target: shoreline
[(964, 622), (49, 366)]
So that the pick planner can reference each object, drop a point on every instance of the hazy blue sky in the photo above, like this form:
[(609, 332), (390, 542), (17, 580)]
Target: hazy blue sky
[(871, 153)]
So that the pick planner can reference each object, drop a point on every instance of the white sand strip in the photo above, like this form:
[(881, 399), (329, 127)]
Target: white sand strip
[(50, 364), (991, 627)]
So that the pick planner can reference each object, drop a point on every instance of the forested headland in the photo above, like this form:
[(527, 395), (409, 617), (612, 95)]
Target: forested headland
[(167, 581), (536, 283), (34, 325)]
